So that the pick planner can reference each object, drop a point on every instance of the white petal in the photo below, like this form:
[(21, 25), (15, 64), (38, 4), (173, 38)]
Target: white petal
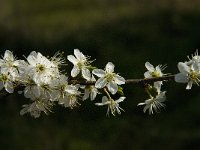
[(149, 67), (99, 73), (150, 109), (71, 89), (161, 97), (8, 55), (63, 79), (1, 62), (55, 94), (40, 57), (79, 55), (64, 100), (33, 53), (149, 101), (20, 63), (23, 111), (99, 104), (72, 59), (147, 107), (36, 91), (86, 94), (75, 71), (112, 87), (183, 68), (157, 85), (119, 80), (158, 68), (189, 85), (141, 104), (181, 78), (27, 92), (86, 74), (9, 87), (110, 67), (93, 94), (195, 66), (104, 99), (93, 78), (147, 74), (32, 60), (101, 82), (5, 70), (121, 99)]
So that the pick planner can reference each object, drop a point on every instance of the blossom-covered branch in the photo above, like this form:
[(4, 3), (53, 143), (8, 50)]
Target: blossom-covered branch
[(44, 81)]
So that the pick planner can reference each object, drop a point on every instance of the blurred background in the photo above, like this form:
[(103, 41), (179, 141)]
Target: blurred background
[(127, 33)]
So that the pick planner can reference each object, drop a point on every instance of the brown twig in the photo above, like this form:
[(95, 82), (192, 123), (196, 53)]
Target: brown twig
[(129, 81)]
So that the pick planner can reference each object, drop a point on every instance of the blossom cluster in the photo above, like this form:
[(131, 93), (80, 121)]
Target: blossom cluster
[(189, 71), (45, 83), (156, 96)]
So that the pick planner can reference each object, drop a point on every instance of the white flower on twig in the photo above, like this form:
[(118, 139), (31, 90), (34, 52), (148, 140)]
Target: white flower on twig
[(108, 78), (90, 90), (40, 68), (154, 72), (188, 74), (6, 81), (80, 63), (9, 65)]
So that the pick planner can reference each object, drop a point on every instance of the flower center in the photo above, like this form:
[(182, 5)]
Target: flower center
[(82, 63), (4, 78), (109, 77), (40, 68), (194, 76), (9, 63), (156, 74)]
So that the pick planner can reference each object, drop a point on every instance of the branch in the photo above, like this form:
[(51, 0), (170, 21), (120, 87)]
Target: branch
[(130, 81)]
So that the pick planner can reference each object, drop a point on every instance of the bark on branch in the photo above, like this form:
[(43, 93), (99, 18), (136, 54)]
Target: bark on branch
[(129, 81)]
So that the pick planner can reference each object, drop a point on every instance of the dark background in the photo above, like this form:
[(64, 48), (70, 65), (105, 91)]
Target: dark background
[(127, 33)]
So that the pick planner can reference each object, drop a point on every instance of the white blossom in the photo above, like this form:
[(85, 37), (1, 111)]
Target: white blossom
[(70, 100), (40, 67), (154, 103), (34, 90), (154, 72), (6, 81), (80, 63), (108, 78), (189, 73), (39, 105), (113, 105), (195, 58), (62, 90), (7, 62), (90, 90), (9, 65), (66, 95)]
